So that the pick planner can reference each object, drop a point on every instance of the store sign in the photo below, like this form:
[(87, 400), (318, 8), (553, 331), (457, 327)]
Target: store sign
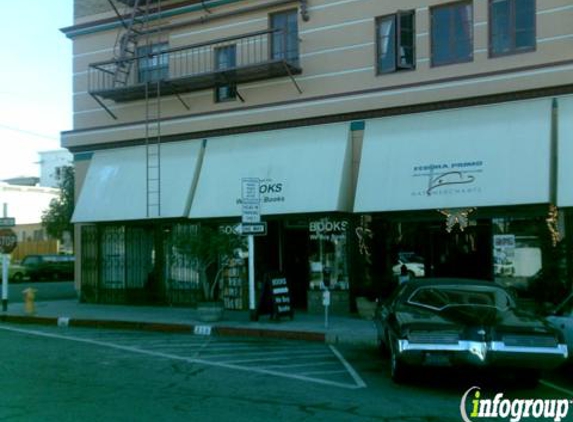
[(448, 178), (327, 229)]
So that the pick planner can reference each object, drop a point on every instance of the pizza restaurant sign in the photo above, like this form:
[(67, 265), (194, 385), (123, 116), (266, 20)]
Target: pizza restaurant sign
[(448, 178)]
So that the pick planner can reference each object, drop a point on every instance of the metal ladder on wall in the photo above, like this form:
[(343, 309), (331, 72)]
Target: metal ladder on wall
[(138, 28), (125, 48)]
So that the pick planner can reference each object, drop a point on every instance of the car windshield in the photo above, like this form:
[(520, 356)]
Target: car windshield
[(441, 297), (408, 257)]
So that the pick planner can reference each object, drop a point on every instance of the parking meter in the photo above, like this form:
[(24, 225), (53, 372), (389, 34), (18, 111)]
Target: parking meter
[(326, 271)]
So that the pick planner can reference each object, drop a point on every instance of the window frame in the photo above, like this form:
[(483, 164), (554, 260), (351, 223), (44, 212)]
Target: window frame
[(431, 32), (513, 30), (232, 88), (271, 45), (160, 69), (397, 40)]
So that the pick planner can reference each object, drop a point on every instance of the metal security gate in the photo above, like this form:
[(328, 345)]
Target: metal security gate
[(137, 264)]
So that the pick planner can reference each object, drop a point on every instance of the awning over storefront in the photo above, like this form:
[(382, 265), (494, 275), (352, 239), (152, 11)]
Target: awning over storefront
[(115, 187), (302, 170), (565, 153), (492, 155)]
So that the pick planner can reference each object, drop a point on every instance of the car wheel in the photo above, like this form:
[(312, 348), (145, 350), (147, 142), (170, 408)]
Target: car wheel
[(17, 277), (399, 371)]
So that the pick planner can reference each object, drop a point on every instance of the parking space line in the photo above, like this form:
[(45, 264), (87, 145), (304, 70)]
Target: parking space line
[(358, 381), (313, 356), (350, 369), (556, 387), (301, 365), (334, 371), (267, 353)]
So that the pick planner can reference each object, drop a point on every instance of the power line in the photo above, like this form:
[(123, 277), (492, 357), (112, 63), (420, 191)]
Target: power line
[(27, 132)]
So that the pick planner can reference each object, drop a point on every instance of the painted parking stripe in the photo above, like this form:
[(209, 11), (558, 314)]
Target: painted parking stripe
[(256, 370), (556, 387)]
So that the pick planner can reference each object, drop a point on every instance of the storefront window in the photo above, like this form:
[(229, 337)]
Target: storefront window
[(526, 261), (328, 254), (112, 262)]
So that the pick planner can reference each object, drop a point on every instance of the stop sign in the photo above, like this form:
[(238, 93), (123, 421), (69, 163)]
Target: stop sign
[(8, 240)]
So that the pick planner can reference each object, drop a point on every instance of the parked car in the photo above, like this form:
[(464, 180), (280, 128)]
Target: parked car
[(16, 272), (459, 322), (51, 267), (414, 264), (561, 318)]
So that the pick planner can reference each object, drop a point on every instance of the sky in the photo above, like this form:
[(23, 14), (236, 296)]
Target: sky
[(35, 82)]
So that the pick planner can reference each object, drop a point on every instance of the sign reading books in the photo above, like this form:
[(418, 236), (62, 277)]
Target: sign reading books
[(275, 297)]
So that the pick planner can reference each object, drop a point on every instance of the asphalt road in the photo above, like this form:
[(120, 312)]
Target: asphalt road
[(65, 374)]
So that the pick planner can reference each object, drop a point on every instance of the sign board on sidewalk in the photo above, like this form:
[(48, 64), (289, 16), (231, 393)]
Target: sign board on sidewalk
[(8, 241), (7, 222), (275, 297)]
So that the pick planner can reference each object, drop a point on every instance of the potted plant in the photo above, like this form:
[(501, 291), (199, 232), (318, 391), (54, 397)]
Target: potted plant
[(209, 247)]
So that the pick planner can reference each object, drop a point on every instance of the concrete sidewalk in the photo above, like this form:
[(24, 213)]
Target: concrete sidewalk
[(341, 330)]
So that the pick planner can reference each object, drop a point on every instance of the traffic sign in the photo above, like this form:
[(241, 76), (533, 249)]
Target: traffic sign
[(251, 212), (255, 229), (250, 189), (7, 222), (8, 241)]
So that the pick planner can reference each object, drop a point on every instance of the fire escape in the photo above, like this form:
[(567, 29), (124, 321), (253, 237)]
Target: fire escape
[(145, 69)]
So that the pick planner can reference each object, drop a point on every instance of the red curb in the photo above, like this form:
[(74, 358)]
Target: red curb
[(169, 328), (28, 319)]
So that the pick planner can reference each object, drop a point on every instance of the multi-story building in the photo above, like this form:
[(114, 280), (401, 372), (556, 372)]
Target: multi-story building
[(381, 132), (52, 164)]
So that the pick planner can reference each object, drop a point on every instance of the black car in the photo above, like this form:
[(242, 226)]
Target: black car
[(50, 267), (450, 322)]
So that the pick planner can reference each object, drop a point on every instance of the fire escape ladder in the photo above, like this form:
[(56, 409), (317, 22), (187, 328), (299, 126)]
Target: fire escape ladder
[(153, 83), (126, 44)]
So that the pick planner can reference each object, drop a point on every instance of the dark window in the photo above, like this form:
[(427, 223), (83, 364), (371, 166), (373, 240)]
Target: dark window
[(225, 58), (452, 33), (153, 65), (284, 40), (511, 27), (395, 42)]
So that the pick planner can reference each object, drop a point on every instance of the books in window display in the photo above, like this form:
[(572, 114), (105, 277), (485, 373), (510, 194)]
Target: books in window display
[(235, 291)]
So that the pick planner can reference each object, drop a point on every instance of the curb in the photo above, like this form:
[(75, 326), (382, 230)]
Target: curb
[(219, 331)]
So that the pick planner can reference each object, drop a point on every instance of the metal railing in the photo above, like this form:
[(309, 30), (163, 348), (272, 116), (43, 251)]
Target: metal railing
[(256, 55)]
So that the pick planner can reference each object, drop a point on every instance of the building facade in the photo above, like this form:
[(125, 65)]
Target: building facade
[(431, 134), (51, 166)]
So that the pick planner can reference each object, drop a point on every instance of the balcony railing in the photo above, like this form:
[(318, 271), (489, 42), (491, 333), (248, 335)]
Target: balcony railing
[(246, 58)]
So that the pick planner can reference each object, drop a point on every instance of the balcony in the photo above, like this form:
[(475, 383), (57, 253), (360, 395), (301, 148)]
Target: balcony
[(244, 58)]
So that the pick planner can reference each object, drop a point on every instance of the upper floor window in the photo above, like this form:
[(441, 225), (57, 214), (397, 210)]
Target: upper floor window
[(452, 33), (225, 58), (284, 41), (395, 42), (152, 65), (511, 27)]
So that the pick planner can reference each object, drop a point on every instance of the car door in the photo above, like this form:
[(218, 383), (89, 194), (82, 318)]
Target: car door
[(562, 319)]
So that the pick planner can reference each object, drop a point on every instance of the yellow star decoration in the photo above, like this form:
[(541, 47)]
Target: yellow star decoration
[(459, 216)]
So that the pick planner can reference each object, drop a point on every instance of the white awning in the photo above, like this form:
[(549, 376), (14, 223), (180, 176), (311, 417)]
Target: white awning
[(565, 153), (301, 170), (477, 156), (115, 187)]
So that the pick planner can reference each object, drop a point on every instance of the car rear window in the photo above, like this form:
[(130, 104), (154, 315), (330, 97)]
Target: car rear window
[(440, 297)]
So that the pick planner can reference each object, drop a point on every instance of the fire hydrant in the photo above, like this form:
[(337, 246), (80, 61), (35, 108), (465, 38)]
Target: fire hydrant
[(29, 300)]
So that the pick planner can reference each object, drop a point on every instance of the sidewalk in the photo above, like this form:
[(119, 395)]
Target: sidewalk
[(341, 330)]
